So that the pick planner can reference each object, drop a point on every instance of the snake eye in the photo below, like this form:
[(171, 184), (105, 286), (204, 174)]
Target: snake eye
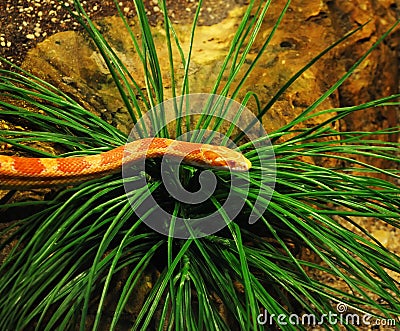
[(222, 157)]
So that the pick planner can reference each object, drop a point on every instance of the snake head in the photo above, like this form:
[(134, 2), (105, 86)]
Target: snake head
[(223, 157)]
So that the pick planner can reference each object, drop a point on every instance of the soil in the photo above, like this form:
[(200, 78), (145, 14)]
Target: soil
[(24, 23)]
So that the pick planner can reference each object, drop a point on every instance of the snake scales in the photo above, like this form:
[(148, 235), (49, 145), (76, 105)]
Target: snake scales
[(25, 173)]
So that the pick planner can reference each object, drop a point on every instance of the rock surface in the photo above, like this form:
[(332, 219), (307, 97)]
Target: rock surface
[(70, 61)]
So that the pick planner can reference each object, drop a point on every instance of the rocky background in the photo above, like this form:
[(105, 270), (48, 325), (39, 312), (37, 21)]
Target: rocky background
[(308, 28)]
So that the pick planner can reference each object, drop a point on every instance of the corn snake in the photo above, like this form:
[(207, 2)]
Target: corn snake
[(25, 173)]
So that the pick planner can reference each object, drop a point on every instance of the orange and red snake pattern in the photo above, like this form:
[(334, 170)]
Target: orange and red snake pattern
[(25, 173)]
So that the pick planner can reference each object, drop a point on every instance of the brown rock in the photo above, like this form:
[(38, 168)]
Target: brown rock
[(378, 75)]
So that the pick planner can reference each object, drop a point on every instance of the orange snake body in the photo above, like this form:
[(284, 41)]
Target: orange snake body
[(25, 173)]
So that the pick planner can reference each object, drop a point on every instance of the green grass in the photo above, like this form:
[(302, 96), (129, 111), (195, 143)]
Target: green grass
[(68, 255)]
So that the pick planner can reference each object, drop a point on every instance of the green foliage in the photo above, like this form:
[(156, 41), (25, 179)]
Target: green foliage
[(67, 256)]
